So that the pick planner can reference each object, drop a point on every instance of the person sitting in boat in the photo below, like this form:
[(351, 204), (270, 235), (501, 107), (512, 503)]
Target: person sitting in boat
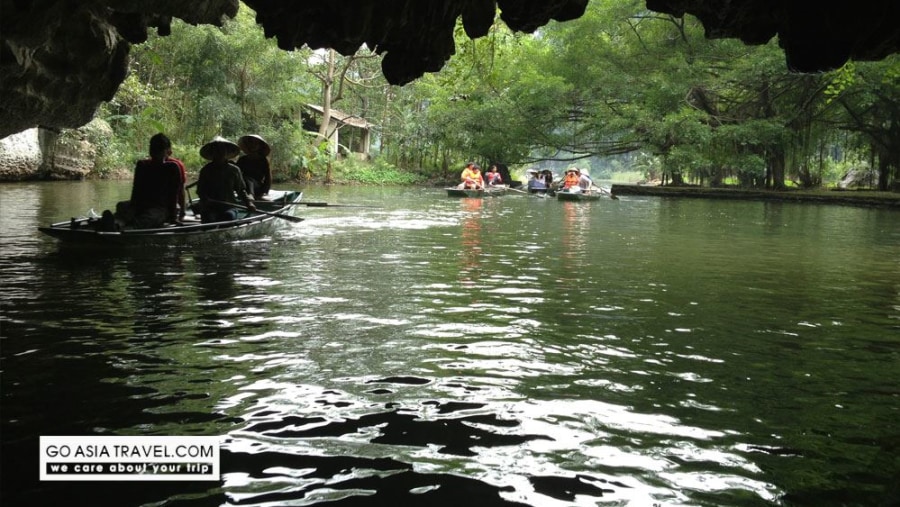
[(493, 177), (536, 182), (570, 182), (584, 180), (548, 177), (182, 202), (220, 184), (503, 171), (155, 190), (471, 177), (254, 165)]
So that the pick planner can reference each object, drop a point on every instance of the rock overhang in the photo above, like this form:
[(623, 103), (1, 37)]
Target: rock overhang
[(60, 59)]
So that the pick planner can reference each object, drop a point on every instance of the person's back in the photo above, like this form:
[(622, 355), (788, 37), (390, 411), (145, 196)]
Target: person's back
[(220, 183), (157, 184), (505, 177), (254, 165), (585, 181), (548, 178), (255, 170), (537, 182)]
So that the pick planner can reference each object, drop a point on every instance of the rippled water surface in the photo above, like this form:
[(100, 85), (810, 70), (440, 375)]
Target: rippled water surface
[(438, 351)]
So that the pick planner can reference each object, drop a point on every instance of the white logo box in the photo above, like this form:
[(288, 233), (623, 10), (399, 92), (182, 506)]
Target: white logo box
[(129, 458)]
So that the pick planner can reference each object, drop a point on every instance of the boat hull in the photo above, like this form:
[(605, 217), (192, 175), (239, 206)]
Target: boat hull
[(578, 196), (469, 192), (84, 232)]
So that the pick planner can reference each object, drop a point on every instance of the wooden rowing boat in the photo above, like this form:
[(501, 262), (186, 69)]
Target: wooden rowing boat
[(87, 231), (578, 196), (471, 192)]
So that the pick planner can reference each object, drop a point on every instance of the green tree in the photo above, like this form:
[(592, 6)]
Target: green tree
[(203, 81), (619, 86), (869, 94)]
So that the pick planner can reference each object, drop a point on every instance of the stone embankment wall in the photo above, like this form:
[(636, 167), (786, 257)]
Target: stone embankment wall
[(21, 157), (42, 154)]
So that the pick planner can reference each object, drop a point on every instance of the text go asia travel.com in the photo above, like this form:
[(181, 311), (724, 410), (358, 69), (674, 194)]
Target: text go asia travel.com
[(123, 458)]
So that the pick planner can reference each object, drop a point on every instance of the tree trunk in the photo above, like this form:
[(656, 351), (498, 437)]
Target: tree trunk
[(888, 163), (717, 177), (777, 165), (327, 90), (387, 128)]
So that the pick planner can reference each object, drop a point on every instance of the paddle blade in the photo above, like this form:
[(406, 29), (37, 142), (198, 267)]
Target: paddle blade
[(291, 218), (327, 205)]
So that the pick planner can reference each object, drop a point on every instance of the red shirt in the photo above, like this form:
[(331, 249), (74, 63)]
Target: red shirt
[(180, 165), (182, 205)]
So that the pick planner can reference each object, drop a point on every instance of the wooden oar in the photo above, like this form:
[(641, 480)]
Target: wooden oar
[(327, 205), (279, 215), (528, 193), (190, 199), (602, 191)]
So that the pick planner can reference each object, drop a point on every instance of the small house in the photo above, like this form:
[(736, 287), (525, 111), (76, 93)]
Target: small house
[(348, 135)]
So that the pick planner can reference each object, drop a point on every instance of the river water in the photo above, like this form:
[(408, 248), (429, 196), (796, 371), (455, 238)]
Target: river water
[(439, 351)]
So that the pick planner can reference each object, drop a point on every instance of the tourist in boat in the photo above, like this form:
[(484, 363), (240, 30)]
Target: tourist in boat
[(548, 178), (471, 177), (220, 185), (254, 165), (493, 177), (536, 182), (584, 180), (156, 189), (182, 203), (503, 171), (570, 182), (552, 186)]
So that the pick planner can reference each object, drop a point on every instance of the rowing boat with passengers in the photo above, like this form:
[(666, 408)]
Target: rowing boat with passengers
[(590, 195), (90, 231), (490, 191)]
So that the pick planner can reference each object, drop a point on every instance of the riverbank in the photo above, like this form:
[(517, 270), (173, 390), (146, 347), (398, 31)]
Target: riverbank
[(869, 198)]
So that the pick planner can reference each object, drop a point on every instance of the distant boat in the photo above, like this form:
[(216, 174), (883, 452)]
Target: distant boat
[(471, 192), (578, 196), (87, 231)]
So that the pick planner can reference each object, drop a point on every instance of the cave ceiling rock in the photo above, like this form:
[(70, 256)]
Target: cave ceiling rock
[(60, 59), (815, 36)]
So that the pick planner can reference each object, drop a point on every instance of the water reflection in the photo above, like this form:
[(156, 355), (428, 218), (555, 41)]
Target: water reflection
[(470, 254), (706, 354), (575, 231)]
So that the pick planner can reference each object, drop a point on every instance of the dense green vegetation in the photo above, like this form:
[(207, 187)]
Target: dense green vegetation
[(621, 89)]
